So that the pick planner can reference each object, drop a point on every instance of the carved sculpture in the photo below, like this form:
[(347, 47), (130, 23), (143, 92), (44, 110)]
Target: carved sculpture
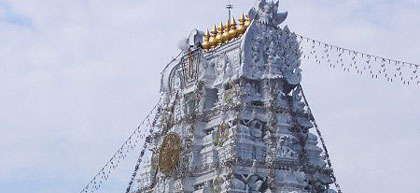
[(232, 117), (252, 182), (266, 13)]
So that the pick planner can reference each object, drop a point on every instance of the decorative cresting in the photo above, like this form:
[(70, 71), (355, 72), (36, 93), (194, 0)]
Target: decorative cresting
[(267, 13), (225, 33), (169, 153), (268, 50)]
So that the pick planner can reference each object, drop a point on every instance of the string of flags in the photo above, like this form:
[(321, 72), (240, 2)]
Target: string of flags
[(141, 133), (376, 67), (321, 138), (147, 142), (348, 60), (138, 135)]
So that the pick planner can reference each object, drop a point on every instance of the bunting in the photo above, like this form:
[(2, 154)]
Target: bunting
[(142, 132), (348, 60)]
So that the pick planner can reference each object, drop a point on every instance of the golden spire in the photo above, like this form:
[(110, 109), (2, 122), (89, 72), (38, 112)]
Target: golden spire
[(219, 37), (241, 27), (212, 40), (248, 21), (206, 44), (232, 32), (226, 33)]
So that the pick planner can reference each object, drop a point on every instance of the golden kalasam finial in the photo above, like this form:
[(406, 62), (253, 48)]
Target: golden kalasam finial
[(248, 21), (212, 40), (232, 32), (226, 32), (219, 37), (206, 44), (241, 27)]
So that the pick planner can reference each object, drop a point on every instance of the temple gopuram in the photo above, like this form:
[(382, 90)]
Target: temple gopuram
[(233, 118)]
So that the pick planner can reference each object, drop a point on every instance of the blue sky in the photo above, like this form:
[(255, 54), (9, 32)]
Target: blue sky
[(78, 76), (8, 15)]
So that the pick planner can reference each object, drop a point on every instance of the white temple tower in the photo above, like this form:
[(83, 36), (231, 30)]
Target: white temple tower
[(232, 117)]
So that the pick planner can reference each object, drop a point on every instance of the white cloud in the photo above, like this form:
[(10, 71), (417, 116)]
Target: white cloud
[(78, 79)]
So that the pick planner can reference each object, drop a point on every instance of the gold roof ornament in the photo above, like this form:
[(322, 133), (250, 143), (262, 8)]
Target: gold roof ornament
[(241, 27), (226, 32), (206, 43), (248, 21), (219, 37), (212, 40), (232, 32)]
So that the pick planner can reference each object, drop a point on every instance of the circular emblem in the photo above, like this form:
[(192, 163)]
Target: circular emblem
[(169, 153)]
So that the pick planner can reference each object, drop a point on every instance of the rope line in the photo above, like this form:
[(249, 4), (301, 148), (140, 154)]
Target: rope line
[(146, 143), (120, 155), (355, 51), (333, 55), (299, 131), (362, 63), (122, 152), (324, 146)]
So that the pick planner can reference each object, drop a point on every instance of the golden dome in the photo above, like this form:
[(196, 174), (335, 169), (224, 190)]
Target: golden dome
[(206, 44), (232, 32), (219, 37), (226, 32), (212, 40), (248, 21), (241, 27)]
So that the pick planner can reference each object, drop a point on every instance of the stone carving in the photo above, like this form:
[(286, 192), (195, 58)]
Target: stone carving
[(267, 13), (248, 91), (231, 106), (284, 147), (177, 80), (292, 179), (203, 99), (290, 54), (271, 52), (252, 89), (217, 184), (228, 70), (229, 96), (256, 128), (209, 71), (251, 182), (195, 38), (189, 103), (221, 67)]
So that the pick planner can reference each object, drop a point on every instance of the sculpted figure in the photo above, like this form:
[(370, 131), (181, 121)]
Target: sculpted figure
[(228, 70), (209, 72), (220, 68), (247, 89), (284, 147), (164, 98), (266, 13), (203, 99)]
